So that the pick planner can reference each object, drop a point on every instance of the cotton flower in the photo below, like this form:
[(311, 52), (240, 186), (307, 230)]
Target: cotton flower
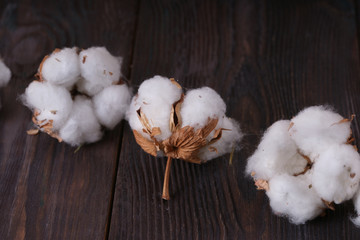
[(191, 127), (307, 164), (76, 115)]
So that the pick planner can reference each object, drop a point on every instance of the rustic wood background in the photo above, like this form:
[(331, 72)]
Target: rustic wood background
[(268, 59)]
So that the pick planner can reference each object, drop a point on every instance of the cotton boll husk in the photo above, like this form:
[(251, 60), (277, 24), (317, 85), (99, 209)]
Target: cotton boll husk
[(5, 74), (62, 68), (82, 125), (52, 102), (155, 99), (336, 173), (230, 137), (294, 197), (99, 69), (315, 128), (276, 154), (111, 104), (356, 201), (201, 104)]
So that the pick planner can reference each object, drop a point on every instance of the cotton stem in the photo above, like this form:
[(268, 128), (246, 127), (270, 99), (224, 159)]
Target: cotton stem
[(166, 194)]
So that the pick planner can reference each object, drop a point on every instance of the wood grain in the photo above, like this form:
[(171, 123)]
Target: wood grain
[(268, 60), (48, 191)]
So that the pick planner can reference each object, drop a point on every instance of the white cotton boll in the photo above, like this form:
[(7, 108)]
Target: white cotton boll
[(315, 128), (336, 173), (111, 104), (294, 197), (230, 137), (5, 74), (62, 67), (158, 89), (276, 154), (99, 69), (356, 200), (82, 125), (52, 102), (201, 104), (155, 98)]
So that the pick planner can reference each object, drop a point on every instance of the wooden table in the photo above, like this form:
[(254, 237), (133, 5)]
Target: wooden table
[(268, 60)]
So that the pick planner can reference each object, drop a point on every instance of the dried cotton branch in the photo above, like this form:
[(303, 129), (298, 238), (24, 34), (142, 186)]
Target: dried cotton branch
[(191, 127)]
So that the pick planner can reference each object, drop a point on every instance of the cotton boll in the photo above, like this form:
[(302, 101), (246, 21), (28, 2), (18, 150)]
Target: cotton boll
[(336, 173), (99, 69), (52, 102), (201, 104), (82, 125), (230, 137), (315, 128), (111, 104), (5, 74), (294, 197), (62, 67), (155, 98), (276, 154), (158, 89), (356, 200)]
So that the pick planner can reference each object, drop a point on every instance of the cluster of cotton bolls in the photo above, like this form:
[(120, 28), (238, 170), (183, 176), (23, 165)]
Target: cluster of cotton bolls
[(5, 75), (76, 93), (307, 164), (192, 127)]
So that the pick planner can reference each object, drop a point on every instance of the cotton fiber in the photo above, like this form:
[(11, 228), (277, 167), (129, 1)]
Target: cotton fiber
[(99, 69), (191, 127), (68, 112), (61, 67), (154, 99), (160, 103), (307, 164), (82, 125), (111, 104)]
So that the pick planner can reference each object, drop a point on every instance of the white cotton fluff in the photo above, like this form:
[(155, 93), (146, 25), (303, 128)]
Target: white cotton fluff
[(52, 102), (5, 74), (276, 154), (356, 201), (231, 135), (98, 100), (111, 104), (294, 197), (62, 67), (99, 69), (155, 99), (320, 136), (315, 128), (82, 125), (200, 105), (336, 173)]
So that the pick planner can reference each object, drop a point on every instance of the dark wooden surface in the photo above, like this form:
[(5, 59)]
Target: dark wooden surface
[(268, 60)]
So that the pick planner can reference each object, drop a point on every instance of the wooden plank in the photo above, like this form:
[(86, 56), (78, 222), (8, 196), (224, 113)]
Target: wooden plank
[(268, 60), (48, 191)]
